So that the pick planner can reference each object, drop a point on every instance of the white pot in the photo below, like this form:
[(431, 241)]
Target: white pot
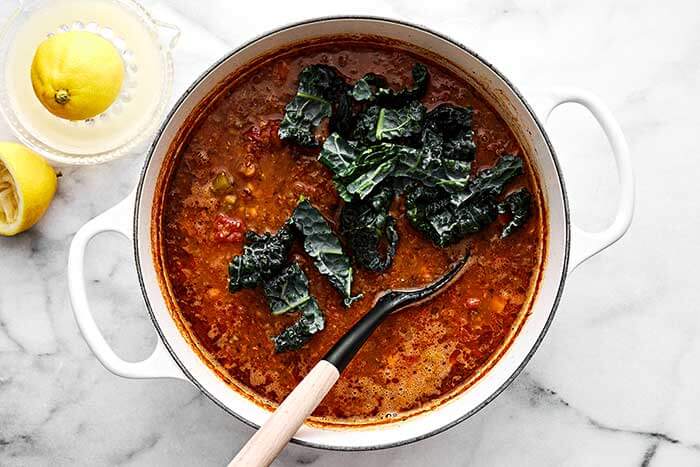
[(568, 245)]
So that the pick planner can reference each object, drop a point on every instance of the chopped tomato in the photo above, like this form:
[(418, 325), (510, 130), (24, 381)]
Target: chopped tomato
[(228, 229)]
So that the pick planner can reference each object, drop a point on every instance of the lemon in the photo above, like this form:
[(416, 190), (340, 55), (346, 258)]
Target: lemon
[(77, 74), (27, 186)]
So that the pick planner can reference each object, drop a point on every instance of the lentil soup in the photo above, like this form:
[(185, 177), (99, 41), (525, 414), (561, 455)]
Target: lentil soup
[(417, 358)]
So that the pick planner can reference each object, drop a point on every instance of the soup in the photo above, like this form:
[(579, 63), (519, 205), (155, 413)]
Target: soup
[(232, 173)]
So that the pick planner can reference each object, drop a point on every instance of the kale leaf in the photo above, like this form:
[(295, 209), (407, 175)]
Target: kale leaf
[(448, 217), (402, 122), (517, 204), (367, 181), (301, 117), (373, 156), (295, 336), (390, 124), (443, 218), (320, 88), (338, 154), (367, 225), (324, 247), (366, 87), (388, 98), (366, 125), (263, 256), (289, 291), (422, 166), (448, 133), (392, 144), (446, 152), (357, 172), (372, 166), (373, 87), (491, 181), (343, 119)]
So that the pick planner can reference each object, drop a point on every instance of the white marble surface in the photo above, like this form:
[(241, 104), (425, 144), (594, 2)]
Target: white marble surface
[(616, 379)]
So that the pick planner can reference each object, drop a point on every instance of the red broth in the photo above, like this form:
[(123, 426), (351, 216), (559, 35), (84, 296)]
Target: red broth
[(418, 357)]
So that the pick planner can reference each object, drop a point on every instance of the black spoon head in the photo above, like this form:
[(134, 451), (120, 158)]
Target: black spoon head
[(394, 300), (397, 300)]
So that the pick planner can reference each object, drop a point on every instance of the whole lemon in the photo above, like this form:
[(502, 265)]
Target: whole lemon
[(27, 186), (77, 74)]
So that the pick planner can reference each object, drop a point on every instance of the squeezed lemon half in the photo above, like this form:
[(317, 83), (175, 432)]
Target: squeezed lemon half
[(27, 186), (77, 74)]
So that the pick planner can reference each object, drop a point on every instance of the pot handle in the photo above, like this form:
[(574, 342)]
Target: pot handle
[(159, 364), (586, 244)]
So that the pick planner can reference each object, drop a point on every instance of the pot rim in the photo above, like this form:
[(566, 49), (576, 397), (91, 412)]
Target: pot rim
[(540, 126)]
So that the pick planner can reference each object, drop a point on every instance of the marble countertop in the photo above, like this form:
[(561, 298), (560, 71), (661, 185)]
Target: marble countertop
[(616, 379)]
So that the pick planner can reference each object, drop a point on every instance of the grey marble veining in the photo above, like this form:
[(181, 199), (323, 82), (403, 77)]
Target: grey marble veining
[(616, 379)]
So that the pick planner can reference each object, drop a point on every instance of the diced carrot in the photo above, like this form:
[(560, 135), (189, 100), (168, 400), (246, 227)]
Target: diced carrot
[(498, 304)]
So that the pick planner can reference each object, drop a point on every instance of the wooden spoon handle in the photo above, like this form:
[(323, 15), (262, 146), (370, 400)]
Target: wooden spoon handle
[(274, 435)]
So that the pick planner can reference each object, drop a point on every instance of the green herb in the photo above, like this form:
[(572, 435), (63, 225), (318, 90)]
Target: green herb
[(448, 217), (320, 87), (324, 247), (517, 204), (367, 226), (263, 257), (289, 291)]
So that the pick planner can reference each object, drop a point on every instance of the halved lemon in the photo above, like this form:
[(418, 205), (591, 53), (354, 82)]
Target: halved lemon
[(77, 74), (27, 186)]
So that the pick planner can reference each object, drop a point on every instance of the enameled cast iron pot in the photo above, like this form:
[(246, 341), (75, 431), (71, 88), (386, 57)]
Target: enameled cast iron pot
[(568, 246)]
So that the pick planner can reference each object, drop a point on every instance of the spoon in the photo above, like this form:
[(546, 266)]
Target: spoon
[(274, 435)]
